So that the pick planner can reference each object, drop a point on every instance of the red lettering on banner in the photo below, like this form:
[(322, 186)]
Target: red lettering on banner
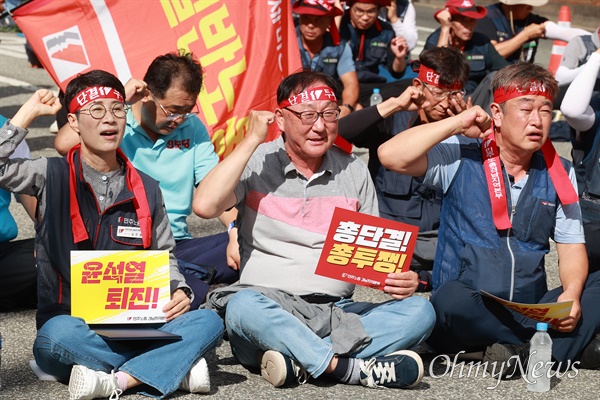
[(114, 272), (131, 298), (91, 272), (134, 272)]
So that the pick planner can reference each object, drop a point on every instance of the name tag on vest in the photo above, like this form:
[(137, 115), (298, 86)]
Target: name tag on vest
[(129, 232), (475, 57)]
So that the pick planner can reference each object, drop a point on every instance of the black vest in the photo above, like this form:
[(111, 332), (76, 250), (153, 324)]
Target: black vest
[(55, 239)]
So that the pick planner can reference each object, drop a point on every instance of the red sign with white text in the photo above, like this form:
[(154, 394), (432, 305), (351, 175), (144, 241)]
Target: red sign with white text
[(245, 48), (363, 249)]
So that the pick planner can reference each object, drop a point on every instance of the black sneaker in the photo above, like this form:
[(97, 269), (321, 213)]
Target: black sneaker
[(280, 370), (590, 358), (506, 360), (401, 369)]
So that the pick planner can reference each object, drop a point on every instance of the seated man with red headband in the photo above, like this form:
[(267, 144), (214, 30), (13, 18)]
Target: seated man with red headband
[(82, 199), (282, 317), (379, 55), (505, 195), (435, 94)]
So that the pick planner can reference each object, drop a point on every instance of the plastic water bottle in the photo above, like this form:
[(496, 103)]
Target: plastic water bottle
[(540, 350), (376, 97)]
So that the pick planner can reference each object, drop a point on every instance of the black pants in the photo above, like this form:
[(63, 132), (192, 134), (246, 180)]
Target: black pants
[(18, 275), (465, 320)]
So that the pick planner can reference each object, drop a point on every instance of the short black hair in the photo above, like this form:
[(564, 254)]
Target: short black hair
[(181, 68), (95, 77), (450, 64), (299, 81)]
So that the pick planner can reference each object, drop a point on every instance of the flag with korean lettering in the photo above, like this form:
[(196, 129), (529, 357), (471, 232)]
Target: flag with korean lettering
[(120, 287), (363, 249), (245, 47)]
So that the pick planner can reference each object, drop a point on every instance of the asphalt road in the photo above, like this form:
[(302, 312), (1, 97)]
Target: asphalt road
[(229, 379)]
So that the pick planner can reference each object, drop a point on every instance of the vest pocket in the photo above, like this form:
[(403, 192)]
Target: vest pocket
[(535, 221)]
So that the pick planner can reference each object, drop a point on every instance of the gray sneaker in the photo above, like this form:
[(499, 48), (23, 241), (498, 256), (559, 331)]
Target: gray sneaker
[(401, 369), (280, 370), (86, 383)]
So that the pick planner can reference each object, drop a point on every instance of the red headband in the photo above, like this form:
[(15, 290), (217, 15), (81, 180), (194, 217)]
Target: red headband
[(310, 94), (534, 89), (93, 93), (430, 77)]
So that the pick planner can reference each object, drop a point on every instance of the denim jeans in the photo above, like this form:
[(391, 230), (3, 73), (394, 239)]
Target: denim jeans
[(64, 341), (256, 323)]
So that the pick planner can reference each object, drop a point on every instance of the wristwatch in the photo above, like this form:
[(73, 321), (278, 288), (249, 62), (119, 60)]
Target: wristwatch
[(187, 291), (349, 107)]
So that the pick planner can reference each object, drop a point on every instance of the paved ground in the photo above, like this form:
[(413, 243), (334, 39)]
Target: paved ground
[(229, 379)]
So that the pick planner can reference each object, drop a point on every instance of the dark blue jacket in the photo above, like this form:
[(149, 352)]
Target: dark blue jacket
[(588, 171), (405, 198)]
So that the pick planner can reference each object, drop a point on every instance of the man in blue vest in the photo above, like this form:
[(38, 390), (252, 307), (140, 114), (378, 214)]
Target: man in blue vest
[(505, 195), (379, 55), (321, 49), (82, 200)]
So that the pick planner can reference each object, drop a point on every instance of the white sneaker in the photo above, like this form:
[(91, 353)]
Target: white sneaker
[(197, 380), (86, 383)]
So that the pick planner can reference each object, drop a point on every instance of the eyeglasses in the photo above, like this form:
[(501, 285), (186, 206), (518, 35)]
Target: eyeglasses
[(173, 116), (310, 117), (370, 12), (98, 111), (441, 95)]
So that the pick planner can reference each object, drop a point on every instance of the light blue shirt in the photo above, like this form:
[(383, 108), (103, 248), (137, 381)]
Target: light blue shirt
[(443, 162), (178, 161)]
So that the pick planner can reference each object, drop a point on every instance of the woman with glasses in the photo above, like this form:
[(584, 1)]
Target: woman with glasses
[(82, 199)]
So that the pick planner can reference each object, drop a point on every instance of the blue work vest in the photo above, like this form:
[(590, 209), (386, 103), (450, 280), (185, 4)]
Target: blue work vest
[(329, 56), (377, 42), (506, 263)]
